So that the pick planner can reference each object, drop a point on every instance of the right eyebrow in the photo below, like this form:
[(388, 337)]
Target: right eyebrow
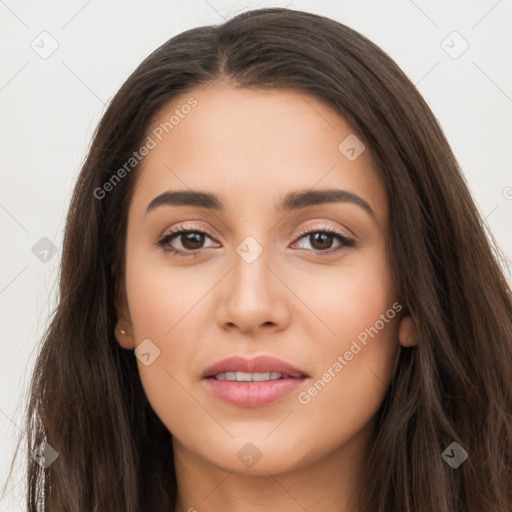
[(186, 198)]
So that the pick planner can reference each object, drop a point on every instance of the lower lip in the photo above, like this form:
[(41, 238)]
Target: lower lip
[(252, 394)]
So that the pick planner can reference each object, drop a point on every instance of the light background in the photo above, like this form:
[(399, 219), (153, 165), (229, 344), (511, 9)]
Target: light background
[(50, 107)]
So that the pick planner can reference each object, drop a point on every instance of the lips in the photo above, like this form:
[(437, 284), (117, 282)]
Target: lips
[(260, 364), (252, 382)]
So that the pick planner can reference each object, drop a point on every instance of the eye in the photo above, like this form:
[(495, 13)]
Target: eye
[(192, 240), (321, 239), (189, 238)]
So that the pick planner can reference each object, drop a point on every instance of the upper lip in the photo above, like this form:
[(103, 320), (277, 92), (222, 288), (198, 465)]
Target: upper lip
[(260, 364)]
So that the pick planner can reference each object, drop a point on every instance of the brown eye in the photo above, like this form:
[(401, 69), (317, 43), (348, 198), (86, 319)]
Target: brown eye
[(321, 241), (184, 241), (191, 240)]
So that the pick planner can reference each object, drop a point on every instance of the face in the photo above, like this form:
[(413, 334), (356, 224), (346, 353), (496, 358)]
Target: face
[(275, 269)]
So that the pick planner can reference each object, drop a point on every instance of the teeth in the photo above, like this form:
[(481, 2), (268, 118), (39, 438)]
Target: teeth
[(248, 377), (260, 376)]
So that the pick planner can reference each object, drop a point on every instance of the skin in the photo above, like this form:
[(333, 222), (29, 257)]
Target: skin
[(250, 148)]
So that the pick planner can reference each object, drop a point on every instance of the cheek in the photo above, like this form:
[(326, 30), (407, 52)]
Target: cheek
[(162, 296), (353, 363), (341, 403), (167, 306), (347, 300)]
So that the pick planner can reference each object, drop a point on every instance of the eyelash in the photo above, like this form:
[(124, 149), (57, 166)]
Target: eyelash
[(164, 240)]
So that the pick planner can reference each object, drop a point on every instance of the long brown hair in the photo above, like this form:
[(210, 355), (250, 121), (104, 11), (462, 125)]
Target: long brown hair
[(86, 399)]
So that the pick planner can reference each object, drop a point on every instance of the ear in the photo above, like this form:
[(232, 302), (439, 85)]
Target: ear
[(124, 329), (408, 332)]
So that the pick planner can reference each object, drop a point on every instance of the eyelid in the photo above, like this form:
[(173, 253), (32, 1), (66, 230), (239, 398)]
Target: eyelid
[(303, 231), (186, 226), (322, 226), (306, 230)]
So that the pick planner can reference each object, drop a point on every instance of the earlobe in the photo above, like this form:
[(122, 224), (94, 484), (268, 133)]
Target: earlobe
[(123, 330), (124, 338), (408, 332)]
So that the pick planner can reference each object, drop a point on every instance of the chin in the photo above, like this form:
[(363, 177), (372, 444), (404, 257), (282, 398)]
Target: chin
[(261, 456)]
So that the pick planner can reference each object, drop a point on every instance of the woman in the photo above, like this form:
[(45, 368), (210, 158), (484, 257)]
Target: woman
[(271, 221)]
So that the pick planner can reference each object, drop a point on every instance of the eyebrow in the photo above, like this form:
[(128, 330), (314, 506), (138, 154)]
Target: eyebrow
[(293, 201)]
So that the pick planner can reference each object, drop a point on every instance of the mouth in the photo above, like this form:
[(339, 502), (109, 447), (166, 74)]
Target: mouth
[(250, 377), (252, 382)]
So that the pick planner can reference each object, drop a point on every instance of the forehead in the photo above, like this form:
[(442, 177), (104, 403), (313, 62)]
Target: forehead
[(251, 147)]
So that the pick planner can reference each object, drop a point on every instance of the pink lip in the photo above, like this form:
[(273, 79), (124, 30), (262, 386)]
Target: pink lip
[(253, 394)]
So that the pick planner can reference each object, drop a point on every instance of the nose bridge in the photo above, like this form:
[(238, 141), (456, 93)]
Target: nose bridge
[(254, 296), (252, 258)]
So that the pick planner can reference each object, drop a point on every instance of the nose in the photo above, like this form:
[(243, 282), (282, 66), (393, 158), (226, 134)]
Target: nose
[(254, 296)]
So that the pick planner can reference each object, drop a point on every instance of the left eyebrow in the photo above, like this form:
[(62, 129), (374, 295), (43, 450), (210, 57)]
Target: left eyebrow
[(297, 200), (293, 201)]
